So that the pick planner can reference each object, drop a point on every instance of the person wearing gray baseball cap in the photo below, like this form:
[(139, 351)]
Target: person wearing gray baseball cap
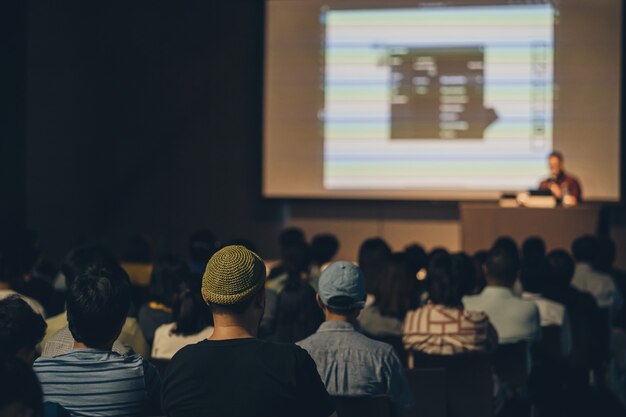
[(350, 363)]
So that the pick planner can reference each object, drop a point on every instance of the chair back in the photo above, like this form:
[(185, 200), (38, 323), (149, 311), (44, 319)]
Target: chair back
[(510, 362), (363, 406), (468, 382), (429, 390)]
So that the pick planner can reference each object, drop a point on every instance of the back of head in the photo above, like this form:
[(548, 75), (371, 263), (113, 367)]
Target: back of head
[(342, 288), (167, 274), (81, 258), (21, 329), (97, 305), (585, 248), (202, 245), (20, 391), (290, 236), (503, 263), (233, 276), (447, 274), (296, 261), (533, 272), (189, 311), (374, 254), (605, 255), (323, 248), (398, 290), (561, 268), (138, 250), (533, 249)]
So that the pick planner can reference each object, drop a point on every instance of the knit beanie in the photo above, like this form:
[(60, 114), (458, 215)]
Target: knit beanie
[(233, 274)]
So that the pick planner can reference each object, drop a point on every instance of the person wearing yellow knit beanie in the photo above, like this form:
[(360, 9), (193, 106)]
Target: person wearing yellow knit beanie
[(233, 372)]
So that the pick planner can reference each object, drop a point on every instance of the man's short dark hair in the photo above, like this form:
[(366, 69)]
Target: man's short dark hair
[(585, 248), (20, 327), (556, 154), (562, 268), (503, 261), (19, 385), (341, 305), (97, 305)]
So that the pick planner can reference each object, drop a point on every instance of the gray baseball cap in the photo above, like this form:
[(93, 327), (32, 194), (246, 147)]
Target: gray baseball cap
[(343, 279)]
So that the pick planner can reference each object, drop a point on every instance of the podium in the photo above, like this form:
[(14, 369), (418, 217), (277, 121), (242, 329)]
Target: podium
[(483, 223)]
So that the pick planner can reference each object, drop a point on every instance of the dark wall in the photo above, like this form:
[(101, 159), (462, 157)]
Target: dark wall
[(13, 36), (145, 117)]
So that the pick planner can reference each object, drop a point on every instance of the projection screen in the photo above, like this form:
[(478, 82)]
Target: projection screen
[(453, 100)]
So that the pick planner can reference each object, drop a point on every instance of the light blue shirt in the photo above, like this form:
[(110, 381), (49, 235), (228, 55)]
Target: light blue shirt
[(352, 364), (515, 319)]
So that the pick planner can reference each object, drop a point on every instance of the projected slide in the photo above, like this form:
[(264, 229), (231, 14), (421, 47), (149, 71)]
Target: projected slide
[(438, 97)]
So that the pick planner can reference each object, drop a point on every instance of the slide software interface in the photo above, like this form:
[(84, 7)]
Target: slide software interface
[(437, 97)]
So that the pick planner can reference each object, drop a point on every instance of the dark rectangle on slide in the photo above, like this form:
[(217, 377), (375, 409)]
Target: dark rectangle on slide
[(437, 92)]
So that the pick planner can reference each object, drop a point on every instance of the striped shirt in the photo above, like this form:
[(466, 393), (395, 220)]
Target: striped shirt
[(93, 382), (439, 330)]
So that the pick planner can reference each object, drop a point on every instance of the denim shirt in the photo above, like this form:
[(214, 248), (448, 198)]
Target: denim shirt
[(351, 364)]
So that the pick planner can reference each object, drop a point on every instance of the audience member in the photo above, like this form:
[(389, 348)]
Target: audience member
[(417, 260), (480, 265), (513, 318), (20, 391), (192, 320), (201, 246), (590, 332), (350, 363), (551, 313), (324, 247), (58, 339), (234, 373), (443, 326), (21, 329), (289, 238), (137, 262), (604, 262), (167, 275), (396, 294), (110, 384), (598, 284), (374, 254), (9, 275), (297, 315)]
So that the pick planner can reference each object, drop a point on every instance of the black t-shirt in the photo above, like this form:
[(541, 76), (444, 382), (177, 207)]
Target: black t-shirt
[(244, 378)]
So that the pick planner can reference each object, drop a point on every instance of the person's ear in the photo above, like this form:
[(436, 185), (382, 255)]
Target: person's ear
[(319, 302)]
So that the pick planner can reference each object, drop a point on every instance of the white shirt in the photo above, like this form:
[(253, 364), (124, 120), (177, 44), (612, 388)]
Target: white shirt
[(552, 313), (600, 285), (30, 301), (166, 343)]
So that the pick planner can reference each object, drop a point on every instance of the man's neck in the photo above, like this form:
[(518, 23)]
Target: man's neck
[(4, 285), (338, 317), (80, 345), (226, 328)]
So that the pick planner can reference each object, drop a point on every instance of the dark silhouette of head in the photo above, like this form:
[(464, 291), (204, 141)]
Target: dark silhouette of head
[(374, 254), (97, 305), (585, 249), (562, 267), (503, 263), (323, 248), (448, 274)]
